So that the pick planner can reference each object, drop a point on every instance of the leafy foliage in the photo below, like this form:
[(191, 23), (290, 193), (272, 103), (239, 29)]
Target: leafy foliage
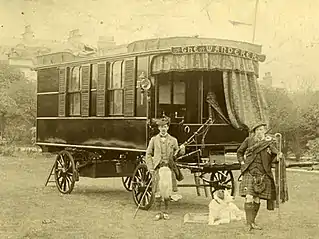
[(296, 116), (17, 104), (313, 148)]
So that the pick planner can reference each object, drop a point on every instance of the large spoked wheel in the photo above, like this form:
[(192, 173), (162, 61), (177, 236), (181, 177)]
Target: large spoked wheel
[(64, 172), (127, 183), (222, 180), (142, 187)]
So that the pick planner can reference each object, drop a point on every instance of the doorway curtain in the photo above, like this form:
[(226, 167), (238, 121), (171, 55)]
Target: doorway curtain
[(244, 99), (245, 102)]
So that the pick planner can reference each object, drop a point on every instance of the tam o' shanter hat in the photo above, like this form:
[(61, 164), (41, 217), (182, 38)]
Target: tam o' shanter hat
[(255, 126), (163, 121)]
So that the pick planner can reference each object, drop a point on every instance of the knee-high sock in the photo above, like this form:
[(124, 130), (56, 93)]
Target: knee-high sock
[(249, 207), (166, 205), (255, 211), (159, 203)]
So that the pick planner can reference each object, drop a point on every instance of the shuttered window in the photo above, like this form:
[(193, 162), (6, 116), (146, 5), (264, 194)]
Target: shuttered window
[(85, 90), (115, 89), (74, 91), (62, 91), (129, 88), (93, 89), (101, 93)]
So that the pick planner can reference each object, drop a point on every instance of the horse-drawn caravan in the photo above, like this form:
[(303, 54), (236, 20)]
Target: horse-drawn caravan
[(98, 114)]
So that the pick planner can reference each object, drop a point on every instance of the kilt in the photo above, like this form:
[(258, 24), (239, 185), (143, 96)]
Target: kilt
[(156, 180), (246, 187)]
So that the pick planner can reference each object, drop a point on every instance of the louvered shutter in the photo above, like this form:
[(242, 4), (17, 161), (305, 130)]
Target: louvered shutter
[(85, 91), (129, 88), (62, 91), (101, 96)]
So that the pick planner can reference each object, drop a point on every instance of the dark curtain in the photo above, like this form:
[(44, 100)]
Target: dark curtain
[(245, 102)]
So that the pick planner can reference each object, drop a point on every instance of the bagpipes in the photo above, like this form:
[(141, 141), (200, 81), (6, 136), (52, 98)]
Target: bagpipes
[(192, 139)]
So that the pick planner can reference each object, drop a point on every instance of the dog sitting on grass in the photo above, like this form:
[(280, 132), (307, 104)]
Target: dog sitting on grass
[(222, 210)]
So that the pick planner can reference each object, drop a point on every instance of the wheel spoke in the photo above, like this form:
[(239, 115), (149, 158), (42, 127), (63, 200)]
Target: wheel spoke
[(126, 180), (69, 165), (138, 180), (70, 179), (69, 182), (61, 182), (136, 191), (64, 184), (139, 198), (227, 181), (59, 176), (144, 174), (148, 194), (60, 162), (129, 182), (140, 174)]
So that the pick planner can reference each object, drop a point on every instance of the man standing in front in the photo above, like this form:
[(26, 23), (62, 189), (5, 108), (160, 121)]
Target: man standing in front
[(258, 181), (162, 150)]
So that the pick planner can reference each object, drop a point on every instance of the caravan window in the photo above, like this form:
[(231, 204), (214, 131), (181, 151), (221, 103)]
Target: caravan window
[(116, 88), (74, 92)]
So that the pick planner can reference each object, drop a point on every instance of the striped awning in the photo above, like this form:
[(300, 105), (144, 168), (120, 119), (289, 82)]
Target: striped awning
[(203, 62)]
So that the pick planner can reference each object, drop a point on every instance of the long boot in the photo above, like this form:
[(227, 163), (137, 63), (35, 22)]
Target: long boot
[(249, 207), (255, 212)]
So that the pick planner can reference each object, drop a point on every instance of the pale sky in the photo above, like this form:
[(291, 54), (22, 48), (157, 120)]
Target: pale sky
[(285, 28)]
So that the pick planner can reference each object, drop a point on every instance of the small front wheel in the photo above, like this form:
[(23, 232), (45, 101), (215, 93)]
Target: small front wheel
[(142, 187), (65, 172)]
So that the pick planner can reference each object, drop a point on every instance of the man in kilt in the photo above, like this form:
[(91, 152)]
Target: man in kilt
[(256, 155), (162, 151)]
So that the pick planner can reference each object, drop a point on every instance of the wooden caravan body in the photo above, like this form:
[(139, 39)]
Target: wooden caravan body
[(98, 114), (79, 107)]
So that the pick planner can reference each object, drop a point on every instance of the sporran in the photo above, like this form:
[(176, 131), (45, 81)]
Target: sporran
[(259, 184)]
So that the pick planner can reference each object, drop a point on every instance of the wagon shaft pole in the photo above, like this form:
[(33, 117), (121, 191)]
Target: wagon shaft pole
[(301, 164), (207, 123), (189, 154)]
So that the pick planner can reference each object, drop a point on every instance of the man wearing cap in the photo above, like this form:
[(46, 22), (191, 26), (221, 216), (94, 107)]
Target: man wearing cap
[(257, 179), (162, 150)]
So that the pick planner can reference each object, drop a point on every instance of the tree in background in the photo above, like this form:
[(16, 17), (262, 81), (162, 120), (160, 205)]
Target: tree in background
[(295, 115), (17, 105)]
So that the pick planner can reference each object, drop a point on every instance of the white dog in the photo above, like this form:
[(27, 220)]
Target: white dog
[(222, 210)]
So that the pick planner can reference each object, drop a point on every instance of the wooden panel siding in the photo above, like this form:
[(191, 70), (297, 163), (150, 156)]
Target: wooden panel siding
[(62, 91), (129, 88), (85, 93)]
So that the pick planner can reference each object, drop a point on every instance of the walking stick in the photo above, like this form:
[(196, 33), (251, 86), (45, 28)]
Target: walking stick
[(148, 185)]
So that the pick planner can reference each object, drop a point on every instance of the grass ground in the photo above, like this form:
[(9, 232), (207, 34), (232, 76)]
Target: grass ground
[(101, 208)]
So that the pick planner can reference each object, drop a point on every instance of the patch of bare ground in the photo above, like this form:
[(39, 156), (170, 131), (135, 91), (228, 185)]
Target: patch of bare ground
[(102, 208)]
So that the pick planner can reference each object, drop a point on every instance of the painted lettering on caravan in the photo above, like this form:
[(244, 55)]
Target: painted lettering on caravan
[(217, 49)]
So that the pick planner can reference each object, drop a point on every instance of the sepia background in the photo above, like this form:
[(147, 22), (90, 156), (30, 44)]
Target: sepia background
[(289, 34), (287, 30)]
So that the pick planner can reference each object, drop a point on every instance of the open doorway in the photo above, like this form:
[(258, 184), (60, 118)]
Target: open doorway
[(183, 96)]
